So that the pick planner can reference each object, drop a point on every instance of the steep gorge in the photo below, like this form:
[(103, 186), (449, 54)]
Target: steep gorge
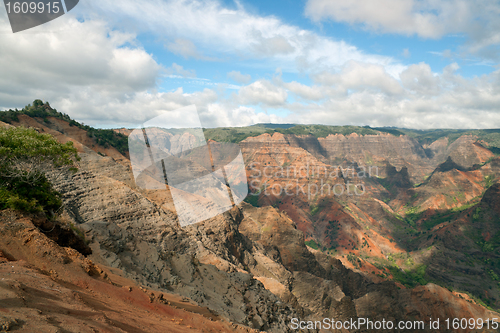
[(251, 264)]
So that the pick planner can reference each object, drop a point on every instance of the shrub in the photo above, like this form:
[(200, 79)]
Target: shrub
[(311, 243), (26, 159)]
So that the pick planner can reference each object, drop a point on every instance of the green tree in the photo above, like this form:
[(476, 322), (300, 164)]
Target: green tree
[(27, 160)]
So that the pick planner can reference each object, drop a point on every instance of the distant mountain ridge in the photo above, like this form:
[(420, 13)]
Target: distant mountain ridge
[(43, 110)]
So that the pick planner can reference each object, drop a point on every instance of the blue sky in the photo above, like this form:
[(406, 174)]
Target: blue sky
[(405, 63)]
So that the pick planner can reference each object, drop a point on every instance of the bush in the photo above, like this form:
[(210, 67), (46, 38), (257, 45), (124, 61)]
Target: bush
[(26, 159), (311, 243)]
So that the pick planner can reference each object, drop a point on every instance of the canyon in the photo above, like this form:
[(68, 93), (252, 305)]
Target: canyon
[(416, 238)]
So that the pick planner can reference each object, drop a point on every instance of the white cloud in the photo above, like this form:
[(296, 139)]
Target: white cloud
[(236, 34), (82, 53), (227, 114), (185, 48), (447, 53), (101, 77), (308, 93), (65, 56), (419, 78), (428, 100), (425, 18), (240, 78), (179, 70), (271, 46), (96, 109), (264, 92), (360, 76), (89, 71)]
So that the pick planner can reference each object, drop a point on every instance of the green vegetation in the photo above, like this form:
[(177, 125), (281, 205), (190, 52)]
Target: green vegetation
[(238, 134), (412, 215), (409, 278), (37, 110), (488, 246), (489, 181), (331, 232), (390, 187), (322, 131), (234, 134), (103, 137), (315, 209), (476, 216), (26, 157), (107, 138), (354, 260), (311, 243), (447, 215), (78, 232), (252, 199)]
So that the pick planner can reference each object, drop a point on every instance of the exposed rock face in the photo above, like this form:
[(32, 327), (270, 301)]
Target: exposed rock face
[(63, 132), (205, 262), (2, 124), (364, 150), (467, 153), (399, 152), (461, 248), (448, 165), (280, 238), (249, 264), (451, 185), (400, 178)]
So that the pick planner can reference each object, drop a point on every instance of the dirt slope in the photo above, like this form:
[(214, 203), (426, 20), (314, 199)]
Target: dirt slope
[(46, 288)]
